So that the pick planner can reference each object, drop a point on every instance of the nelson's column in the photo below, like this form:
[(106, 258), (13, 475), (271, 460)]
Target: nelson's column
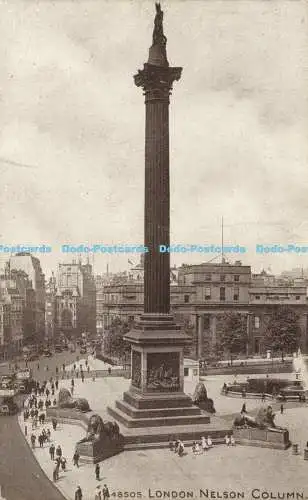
[(156, 396)]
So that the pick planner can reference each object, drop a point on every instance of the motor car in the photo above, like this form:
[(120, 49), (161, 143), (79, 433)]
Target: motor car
[(83, 350), (58, 348), (4, 410), (47, 354), (32, 357)]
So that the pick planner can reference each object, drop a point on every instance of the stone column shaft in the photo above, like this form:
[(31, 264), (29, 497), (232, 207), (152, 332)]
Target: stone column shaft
[(157, 223)]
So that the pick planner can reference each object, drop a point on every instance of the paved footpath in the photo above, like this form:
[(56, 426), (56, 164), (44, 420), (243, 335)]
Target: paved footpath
[(222, 468), (21, 477)]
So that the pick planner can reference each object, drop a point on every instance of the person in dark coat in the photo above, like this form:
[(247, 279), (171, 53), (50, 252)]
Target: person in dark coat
[(106, 493), (78, 493), (97, 472), (52, 450), (76, 459)]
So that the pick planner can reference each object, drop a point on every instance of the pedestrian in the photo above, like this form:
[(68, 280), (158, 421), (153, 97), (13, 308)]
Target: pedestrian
[(97, 471), (63, 367), (106, 493), (52, 451), (54, 423), (74, 367), (78, 493), (59, 451), (38, 366), (26, 431), (54, 402), (57, 384), (77, 374), (109, 371), (227, 440), (204, 444), (57, 369), (55, 473), (88, 368), (47, 392), (281, 409), (82, 377), (63, 463), (181, 449), (263, 397), (98, 493), (232, 440), (76, 459), (33, 439), (48, 434), (243, 410)]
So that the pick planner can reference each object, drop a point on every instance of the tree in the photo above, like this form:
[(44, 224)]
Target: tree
[(233, 333), (114, 342), (283, 331)]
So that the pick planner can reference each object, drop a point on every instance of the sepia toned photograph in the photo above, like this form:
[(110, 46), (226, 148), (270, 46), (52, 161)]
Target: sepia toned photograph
[(153, 249)]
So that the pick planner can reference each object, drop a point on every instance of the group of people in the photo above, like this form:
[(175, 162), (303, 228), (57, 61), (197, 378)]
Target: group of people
[(205, 445), (35, 407), (229, 440), (177, 446), (99, 493)]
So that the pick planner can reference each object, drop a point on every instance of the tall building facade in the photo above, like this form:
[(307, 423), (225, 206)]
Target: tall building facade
[(75, 300), (31, 266), (17, 292)]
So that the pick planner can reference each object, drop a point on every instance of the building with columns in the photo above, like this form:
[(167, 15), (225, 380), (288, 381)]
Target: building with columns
[(206, 291)]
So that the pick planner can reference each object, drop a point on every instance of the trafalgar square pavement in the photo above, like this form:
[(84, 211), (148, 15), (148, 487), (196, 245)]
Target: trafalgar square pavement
[(150, 473)]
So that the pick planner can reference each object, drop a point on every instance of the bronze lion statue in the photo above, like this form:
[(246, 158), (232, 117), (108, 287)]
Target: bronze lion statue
[(200, 398), (98, 429), (65, 400)]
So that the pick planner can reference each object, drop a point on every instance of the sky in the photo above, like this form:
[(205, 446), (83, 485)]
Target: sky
[(72, 125)]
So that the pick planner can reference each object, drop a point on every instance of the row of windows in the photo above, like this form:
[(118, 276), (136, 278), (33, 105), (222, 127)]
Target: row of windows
[(277, 297)]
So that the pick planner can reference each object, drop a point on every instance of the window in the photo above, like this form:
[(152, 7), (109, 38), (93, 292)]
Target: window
[(297, 297), (236, 293), (195, 373), (207, 292), (257, 322), (186, 372), (236, 277), (186, 299), (207, 277), (257, 297), (222, 277), (222, 293)]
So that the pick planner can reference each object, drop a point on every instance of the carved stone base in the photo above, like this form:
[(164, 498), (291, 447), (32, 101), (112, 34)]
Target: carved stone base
[(96, 451), (264, 438)]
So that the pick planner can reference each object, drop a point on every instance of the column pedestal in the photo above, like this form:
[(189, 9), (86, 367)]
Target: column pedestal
[(156, 396)]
